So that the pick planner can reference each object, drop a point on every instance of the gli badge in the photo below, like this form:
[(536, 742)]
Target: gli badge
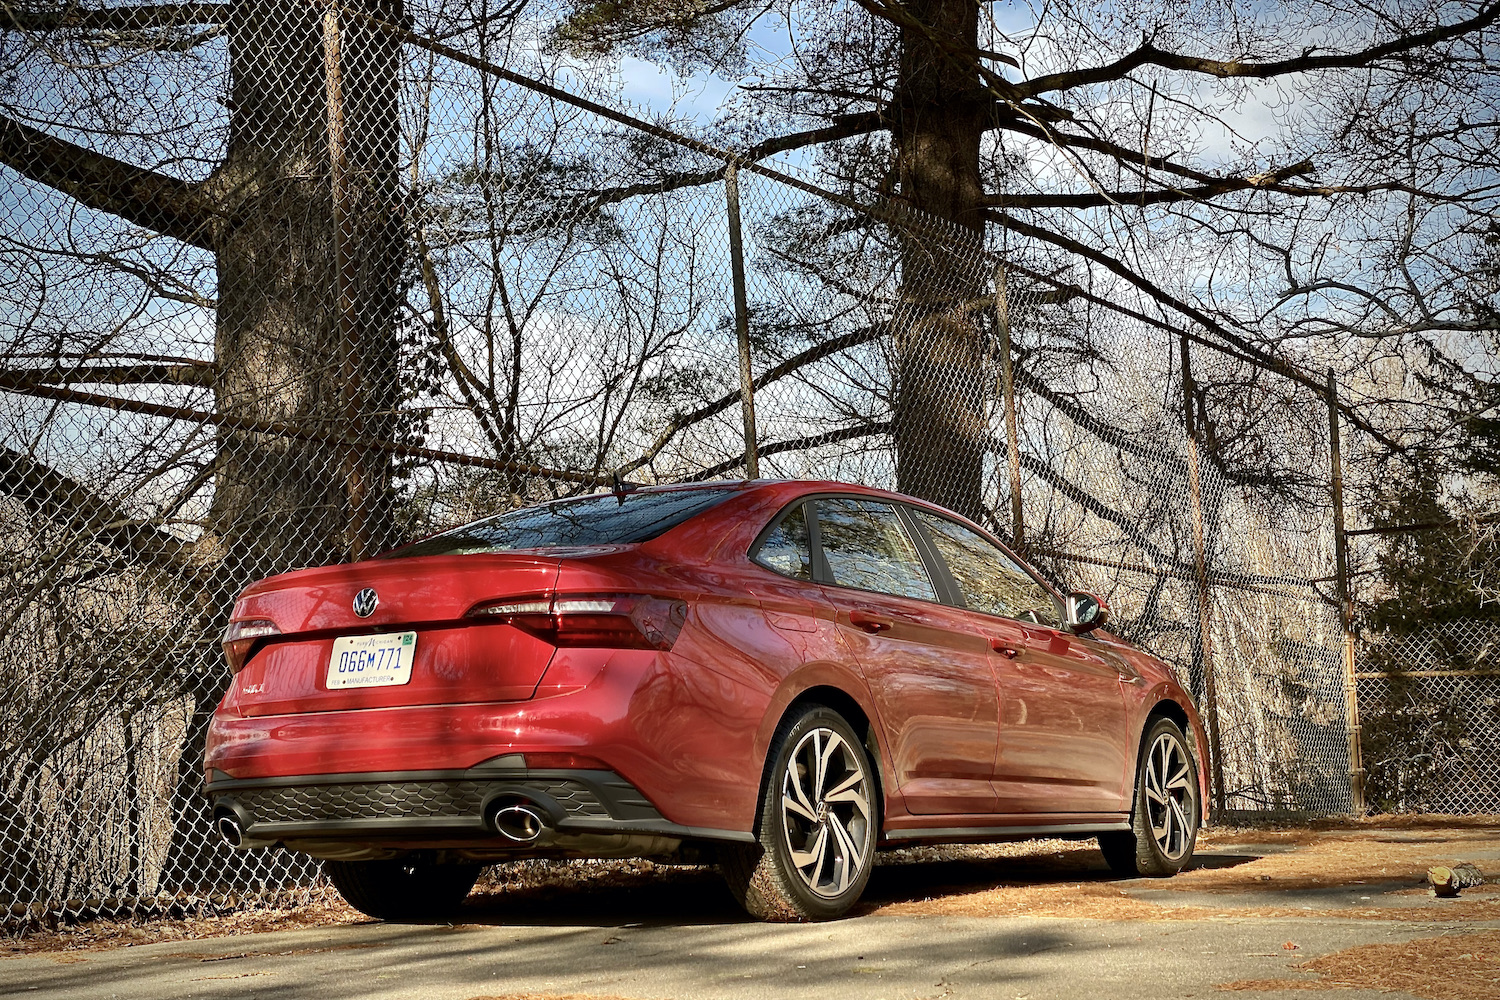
[(365, 602)]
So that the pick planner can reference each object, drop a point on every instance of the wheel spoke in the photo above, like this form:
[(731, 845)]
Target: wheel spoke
[(825, 757), (855, 796), (1154, 796), (853, 778), (1180, 821), (813, 858), (791, 805), (794, 778), (1163, 832), (848, 853)]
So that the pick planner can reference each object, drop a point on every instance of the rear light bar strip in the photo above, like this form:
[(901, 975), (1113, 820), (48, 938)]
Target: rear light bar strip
[(629, 621)]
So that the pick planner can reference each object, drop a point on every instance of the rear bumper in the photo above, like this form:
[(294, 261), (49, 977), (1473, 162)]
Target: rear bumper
[(333, 814)]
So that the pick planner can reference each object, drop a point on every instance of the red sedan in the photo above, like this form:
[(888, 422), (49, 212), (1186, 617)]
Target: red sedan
[(776, 676)]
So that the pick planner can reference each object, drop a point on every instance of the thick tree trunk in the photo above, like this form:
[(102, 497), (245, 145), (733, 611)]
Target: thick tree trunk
[(305, 334), (941, 382), (310, 270)]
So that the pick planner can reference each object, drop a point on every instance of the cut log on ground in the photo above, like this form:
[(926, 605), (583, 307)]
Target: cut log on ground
[(1448, 882)]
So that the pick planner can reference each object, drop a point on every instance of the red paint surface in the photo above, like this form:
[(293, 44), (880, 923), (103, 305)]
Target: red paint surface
[(967, 735)]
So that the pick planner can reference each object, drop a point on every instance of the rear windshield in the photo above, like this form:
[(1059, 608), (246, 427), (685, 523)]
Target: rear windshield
[(605, 519)]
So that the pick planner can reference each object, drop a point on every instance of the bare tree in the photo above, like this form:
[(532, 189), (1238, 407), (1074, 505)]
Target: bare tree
[(276, 216), (1125, 145)]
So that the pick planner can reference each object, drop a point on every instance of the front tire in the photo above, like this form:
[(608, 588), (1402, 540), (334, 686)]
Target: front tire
[(402, 890), (1164, 820), (818, 824)]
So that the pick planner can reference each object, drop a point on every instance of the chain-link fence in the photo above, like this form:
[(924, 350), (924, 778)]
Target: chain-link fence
[(1429, 705), (287, 283)]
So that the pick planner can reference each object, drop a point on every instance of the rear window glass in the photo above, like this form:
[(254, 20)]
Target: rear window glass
[(604, 519)]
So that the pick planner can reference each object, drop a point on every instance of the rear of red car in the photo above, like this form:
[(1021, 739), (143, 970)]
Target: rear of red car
[(469, 700)]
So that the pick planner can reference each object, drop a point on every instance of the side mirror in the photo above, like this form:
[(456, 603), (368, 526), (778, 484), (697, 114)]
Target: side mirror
[(1086, 612)]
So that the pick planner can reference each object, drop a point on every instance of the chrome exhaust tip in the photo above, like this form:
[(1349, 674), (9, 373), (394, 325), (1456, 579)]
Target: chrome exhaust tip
[(229, 830), (518, 823)]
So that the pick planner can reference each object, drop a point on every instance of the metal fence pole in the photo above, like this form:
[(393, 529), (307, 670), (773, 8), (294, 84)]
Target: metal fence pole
[(1346, 601), (356, 532), (1203, 653), (741, 319), (1008, 398)]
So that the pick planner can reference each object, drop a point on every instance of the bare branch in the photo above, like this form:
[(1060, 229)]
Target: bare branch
[(64, 501), (1271, 180), (681, 421), (1245, 347), (798, 444), (69, 17), (148, 199), (847, 126), (1149, 55), (200, 374)]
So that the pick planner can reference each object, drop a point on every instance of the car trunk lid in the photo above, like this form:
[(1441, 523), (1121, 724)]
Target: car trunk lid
[(415, 646)]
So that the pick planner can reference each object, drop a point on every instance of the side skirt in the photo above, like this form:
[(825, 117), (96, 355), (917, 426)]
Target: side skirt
[(994, 829)]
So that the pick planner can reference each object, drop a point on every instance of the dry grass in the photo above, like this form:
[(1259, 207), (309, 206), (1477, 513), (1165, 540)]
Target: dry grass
[(1334, 854), (103, 934), (1452, 967)]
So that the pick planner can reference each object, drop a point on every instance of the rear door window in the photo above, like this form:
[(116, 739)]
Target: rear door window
[(866, 546), (988, 580)]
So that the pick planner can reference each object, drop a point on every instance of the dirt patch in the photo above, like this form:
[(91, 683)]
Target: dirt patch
[(1452, 967)]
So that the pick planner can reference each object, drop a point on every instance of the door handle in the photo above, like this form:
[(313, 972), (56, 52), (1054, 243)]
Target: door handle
[(870, 622), (1004, 648)]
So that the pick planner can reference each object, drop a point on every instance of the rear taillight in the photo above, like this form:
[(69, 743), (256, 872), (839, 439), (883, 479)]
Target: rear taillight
[(240, 638), (627, 621)]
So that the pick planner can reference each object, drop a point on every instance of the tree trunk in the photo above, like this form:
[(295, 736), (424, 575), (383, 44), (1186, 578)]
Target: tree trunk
[(941, 385), (311, 262)]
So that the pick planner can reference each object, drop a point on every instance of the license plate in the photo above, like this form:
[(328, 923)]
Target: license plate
[(371, 660)]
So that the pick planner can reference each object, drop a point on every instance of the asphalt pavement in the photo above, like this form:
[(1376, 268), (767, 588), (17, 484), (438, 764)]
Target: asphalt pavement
[(683, 939), (863, 957)]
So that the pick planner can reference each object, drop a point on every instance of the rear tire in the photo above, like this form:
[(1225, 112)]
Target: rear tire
[(1164, 819), (819, 820), (402, 890)]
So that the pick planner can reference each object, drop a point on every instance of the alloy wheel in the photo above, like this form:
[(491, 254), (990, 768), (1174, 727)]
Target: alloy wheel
[(1170, 805), (826, 813)]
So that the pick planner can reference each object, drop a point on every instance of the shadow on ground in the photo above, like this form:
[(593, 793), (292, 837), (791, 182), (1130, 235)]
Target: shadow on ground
[(671, 895)]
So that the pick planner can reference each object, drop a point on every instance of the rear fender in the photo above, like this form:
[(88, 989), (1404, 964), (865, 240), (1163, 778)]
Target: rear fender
[(809, 677)]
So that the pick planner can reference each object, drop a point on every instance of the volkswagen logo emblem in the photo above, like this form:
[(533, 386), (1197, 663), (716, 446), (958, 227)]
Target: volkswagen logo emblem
[(365, 602)]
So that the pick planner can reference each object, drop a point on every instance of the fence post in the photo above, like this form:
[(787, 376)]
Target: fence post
[(1346, 600), (356, 531), (1008, 400), (741, 319), (1203, 653)]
